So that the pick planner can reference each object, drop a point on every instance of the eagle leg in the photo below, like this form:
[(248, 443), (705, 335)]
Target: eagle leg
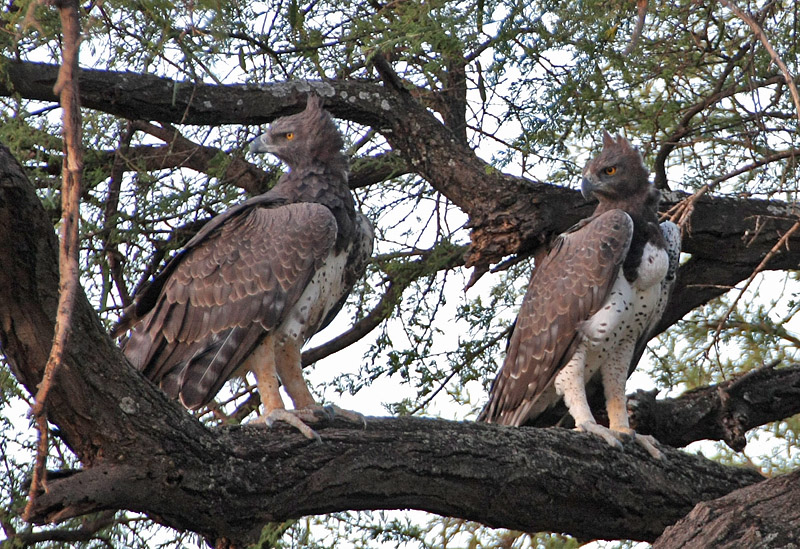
[(281, 361), (615, 375), (290, 371), (263, 364), (570, 384)]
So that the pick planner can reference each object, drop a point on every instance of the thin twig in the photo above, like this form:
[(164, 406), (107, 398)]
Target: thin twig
[(759, 33), (67, 88), (774, 250)]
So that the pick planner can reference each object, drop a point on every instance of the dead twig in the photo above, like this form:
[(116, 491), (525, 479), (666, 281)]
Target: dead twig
[(783, 241), (67, 88)]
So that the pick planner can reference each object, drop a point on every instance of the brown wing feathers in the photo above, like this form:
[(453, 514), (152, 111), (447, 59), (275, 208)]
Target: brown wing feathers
[(226, 293), (567, 288)]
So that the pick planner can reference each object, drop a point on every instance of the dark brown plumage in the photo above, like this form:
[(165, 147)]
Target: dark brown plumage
[(592, 302), (259, 279)]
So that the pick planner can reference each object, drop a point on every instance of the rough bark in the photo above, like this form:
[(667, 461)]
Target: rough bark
[(719, 412), (234, 480), (766, 515), (144, 453)]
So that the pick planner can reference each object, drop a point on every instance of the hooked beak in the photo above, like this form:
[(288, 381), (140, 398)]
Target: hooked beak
[(261, 144), (587, 189)]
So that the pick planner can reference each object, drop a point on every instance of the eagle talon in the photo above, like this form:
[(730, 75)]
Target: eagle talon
[(611, 437), (617, 438), (348, 415), (290, 417), (649, 443)]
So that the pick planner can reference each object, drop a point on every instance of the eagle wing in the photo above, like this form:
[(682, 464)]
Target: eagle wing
[(233, 283), (568, 287)]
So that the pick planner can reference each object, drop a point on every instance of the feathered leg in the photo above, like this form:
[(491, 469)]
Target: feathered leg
[(615, 374), (290, 371), (571, 385), (262, 363)]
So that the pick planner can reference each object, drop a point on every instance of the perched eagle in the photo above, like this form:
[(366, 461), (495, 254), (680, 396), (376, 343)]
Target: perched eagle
[(592, 303), (259, 279)]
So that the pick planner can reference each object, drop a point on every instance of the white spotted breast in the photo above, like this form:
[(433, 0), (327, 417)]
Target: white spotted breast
[(320, 296)]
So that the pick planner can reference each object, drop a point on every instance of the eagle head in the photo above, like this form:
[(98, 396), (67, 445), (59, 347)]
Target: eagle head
[(616, 173), (310, 134)]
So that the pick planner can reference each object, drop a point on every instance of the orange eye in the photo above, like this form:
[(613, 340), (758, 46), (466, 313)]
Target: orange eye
[(610, 170), (289, 136)]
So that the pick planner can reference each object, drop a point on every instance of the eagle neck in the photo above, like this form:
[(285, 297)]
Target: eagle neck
[(325, 184), (643, 211)]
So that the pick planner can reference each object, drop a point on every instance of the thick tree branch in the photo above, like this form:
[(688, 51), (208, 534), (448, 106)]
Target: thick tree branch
[(719, 412), (137, 96), (508, 215), (455, 469)]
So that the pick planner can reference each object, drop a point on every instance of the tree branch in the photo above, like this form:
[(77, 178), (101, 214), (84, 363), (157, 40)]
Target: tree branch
[(763, 515), (508, 215), (719, 412), (67, 89), (455, 469), (758, 32)]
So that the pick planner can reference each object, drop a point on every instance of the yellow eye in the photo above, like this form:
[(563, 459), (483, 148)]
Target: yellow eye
[(289, 136), (610, 170)]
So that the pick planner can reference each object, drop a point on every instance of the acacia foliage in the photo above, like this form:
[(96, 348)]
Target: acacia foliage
[(527, 85)]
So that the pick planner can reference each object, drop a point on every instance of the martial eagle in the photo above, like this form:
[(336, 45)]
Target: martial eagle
[(592, 303), (259, 279)]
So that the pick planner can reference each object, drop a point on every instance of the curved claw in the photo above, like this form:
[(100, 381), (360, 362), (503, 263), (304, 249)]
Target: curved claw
[(300, 418), (290, 417), (616, 438), (649, 442), (348, 415), (603, 432)]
